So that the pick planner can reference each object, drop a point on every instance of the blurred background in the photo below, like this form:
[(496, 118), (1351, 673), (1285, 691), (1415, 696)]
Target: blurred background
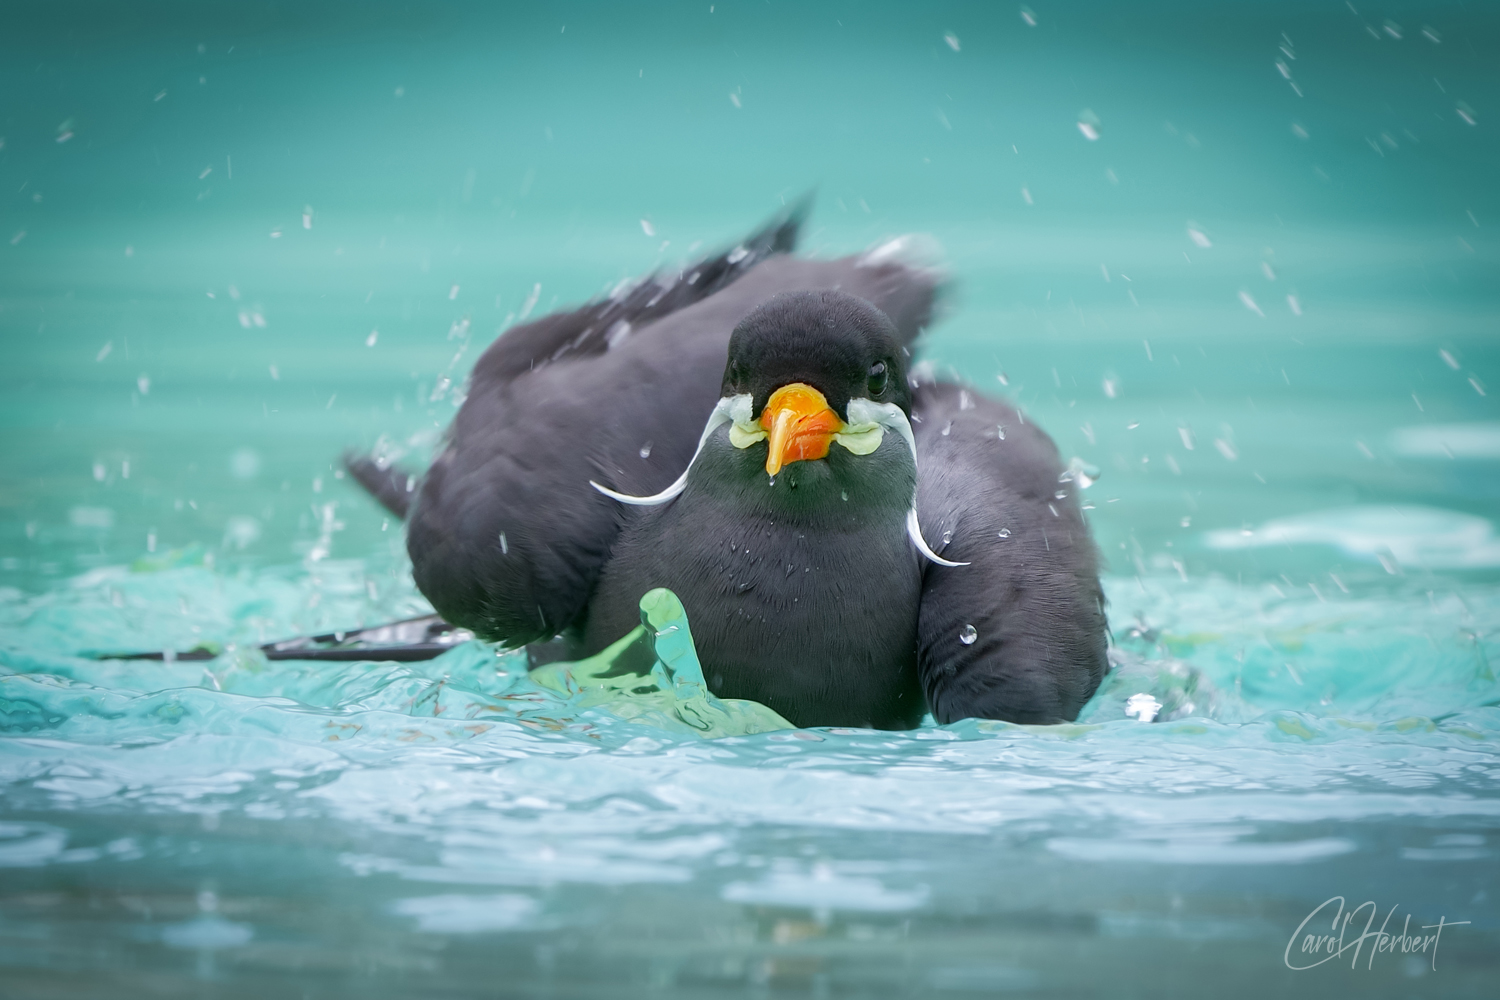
[(1234, 255), (1238, 257)]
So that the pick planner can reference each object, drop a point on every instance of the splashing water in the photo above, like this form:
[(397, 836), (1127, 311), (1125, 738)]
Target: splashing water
[(464, 798), (1305, 608)]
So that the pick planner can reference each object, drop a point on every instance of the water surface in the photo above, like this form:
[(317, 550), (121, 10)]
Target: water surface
[(1262, 299)]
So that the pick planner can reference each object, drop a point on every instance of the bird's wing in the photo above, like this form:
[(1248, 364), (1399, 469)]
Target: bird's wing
[(506, 537), (596, 327), (406, 641), (1019, 634), (589, 330)]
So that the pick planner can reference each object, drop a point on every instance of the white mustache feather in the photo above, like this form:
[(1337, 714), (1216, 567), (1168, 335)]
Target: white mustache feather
[(736, 409)]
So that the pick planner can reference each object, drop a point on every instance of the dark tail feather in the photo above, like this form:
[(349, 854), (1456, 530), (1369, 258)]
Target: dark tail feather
[(394, 487), (405, 641)]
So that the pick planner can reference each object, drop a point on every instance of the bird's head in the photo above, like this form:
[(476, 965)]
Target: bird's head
[(809, 372), (819, 368)]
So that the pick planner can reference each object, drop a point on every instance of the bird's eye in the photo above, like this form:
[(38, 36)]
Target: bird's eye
[(877, 379)]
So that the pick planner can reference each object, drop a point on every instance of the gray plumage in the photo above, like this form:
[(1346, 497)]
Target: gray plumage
[(1031, 594), (822, 610), (540, 421), (802, 588)]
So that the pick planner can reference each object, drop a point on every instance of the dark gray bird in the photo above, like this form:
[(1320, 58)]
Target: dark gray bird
[(747, 433)]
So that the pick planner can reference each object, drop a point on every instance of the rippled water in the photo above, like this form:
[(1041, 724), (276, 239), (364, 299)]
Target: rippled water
[(1278, 346)]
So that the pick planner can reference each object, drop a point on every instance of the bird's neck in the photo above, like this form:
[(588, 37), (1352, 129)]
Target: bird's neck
[(836, 492)]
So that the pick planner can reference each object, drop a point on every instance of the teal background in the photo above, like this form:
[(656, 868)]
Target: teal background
[(205, 211)]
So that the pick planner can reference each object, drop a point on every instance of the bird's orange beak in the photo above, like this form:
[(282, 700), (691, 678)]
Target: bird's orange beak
[(800, 425)]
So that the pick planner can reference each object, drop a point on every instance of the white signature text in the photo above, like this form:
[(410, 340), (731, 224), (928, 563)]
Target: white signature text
[(1308, 947)]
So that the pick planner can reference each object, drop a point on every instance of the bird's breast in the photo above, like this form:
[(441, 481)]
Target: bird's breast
[(818, 621)]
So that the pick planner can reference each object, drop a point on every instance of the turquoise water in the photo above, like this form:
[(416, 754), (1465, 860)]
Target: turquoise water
[(1263, 302)]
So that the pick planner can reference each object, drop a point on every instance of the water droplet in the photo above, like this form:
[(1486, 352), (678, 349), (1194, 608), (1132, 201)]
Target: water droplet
[(504, 545), (967, 635), (947, 536), (531, 300), (948, 429), (965, 401), (1004, 533), (844, 494), (1088, 124), (1000, 431), (646, 450), (1142, 707), (374, 336), (1080, 472)]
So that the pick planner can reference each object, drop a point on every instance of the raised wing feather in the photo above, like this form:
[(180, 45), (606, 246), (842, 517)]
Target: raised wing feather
[(596, 327)]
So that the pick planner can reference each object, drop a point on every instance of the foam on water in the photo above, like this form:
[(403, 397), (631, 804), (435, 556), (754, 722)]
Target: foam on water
[(1475, 441), (465, 799), (470, 753), (1424, 537)]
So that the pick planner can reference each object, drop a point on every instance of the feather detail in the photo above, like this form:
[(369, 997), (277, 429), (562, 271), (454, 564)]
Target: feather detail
[(730, 409)]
